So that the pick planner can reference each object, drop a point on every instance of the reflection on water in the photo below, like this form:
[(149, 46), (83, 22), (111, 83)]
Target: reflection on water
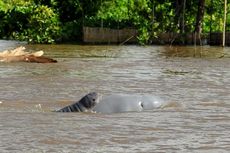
[(194, 80), (196, 52)]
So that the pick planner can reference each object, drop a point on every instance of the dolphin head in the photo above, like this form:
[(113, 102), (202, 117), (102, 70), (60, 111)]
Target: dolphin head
[(151, 102), (90, 100)]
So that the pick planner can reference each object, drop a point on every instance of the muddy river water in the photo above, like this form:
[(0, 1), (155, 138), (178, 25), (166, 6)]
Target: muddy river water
[(195, 81)]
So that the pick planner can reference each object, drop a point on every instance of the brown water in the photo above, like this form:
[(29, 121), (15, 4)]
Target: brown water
[(195, 81)]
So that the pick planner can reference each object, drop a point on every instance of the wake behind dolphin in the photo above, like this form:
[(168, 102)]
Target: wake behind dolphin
[(115, 103)]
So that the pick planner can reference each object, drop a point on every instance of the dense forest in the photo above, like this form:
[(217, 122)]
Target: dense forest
[(49, 21)]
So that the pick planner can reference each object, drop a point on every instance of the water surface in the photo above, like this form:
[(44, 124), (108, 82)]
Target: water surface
[(195, 82)]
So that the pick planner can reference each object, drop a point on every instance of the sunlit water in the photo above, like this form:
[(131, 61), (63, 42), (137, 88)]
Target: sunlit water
[(194, 81)]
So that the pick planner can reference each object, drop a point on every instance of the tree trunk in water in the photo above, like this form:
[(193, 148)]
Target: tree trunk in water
[(199, 19), (179, 17), (179, 14), (225, 13)]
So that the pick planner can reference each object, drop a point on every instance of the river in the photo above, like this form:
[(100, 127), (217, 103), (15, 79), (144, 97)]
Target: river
[(194, 80)]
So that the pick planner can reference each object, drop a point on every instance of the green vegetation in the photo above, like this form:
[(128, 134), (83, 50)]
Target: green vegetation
[(28, 21), (49, 21)]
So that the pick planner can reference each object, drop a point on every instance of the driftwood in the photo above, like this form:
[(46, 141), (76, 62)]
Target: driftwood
[(20, 55)]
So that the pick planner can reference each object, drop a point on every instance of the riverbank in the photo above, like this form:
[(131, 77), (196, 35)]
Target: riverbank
[(107, 36), (97, 35)]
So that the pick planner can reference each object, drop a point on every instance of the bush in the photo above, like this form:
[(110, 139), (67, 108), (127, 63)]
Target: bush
[(35, 24), (71, 30), (44, 26), (16, 21), (2, 23)]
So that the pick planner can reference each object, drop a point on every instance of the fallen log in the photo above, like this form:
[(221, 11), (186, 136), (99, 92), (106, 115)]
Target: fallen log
[(20, 55)]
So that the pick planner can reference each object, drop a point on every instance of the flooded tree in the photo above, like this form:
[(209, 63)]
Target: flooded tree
[(199, 19)]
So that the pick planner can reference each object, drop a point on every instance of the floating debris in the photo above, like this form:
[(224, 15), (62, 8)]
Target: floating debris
[(20, 55)]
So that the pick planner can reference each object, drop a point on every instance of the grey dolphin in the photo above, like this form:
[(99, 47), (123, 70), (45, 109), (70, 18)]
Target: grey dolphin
[(119, 103), (115, 103), (85, 104)]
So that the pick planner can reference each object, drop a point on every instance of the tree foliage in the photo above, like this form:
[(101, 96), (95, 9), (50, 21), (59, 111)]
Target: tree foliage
[(48, 21), (33, 23)]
